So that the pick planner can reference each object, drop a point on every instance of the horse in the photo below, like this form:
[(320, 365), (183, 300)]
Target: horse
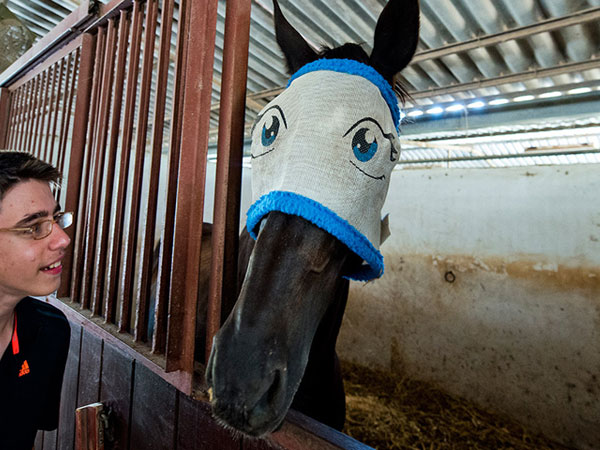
[(322, 154)]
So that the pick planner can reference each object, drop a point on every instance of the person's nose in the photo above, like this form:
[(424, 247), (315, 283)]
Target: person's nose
[(58, 238)]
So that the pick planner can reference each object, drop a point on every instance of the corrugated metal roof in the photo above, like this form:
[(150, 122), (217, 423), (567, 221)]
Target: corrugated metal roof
[(473, 56)]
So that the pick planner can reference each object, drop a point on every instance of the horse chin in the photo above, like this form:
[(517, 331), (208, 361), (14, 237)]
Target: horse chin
[(255, 406), (255, 423)]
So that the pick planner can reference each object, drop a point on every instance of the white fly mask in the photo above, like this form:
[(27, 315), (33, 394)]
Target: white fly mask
[(324, 149)]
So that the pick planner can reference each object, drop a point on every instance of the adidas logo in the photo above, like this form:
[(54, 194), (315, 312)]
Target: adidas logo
[(24, 369)]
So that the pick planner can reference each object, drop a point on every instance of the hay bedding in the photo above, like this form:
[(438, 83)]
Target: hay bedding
[(389, 413)]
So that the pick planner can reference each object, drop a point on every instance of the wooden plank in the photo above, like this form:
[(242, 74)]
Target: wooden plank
[(153, 412), (68, 401), (115, 392), (89, 368), (89, 428), (300, 432), (198, 430)]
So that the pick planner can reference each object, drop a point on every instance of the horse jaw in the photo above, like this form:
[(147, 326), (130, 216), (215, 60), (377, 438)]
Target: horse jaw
[(260, 354)]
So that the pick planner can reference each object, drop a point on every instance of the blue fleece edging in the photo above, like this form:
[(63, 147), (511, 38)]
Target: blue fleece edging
[(353, 67), (324, 218)]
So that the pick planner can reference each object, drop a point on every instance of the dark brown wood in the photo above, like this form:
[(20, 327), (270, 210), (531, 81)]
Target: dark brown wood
[(223, 281), (5, 117), (69, 283), (116, 389), (153, 415), (131, 232), (198, 430), (125, 344), (149, 224), (190, 189), (89, 428), (109, 201), (68, 400), (90, 368), (123, 183)]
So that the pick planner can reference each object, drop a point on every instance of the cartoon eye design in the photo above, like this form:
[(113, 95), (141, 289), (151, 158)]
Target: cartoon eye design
[(364, 145), (367, 138), (269, 134), (271, 123)]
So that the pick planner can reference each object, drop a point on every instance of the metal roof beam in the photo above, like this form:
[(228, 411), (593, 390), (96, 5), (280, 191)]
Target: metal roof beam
[(511, 78), (577, 18)]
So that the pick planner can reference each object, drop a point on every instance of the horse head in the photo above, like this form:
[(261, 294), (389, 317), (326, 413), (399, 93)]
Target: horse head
[(322, 155)]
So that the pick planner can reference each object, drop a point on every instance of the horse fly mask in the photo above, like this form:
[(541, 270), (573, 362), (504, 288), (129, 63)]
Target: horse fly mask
[(328, 157)]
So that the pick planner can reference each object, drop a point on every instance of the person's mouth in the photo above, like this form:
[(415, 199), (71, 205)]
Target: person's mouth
[(53, 269)]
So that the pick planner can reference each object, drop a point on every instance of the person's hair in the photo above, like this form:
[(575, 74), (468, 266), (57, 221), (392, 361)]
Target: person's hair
[(16, 167)]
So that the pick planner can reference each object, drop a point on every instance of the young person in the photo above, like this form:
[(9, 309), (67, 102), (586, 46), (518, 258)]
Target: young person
[(34, 336)]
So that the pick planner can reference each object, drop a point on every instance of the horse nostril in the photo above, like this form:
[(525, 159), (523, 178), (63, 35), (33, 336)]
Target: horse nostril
[(275, 387)]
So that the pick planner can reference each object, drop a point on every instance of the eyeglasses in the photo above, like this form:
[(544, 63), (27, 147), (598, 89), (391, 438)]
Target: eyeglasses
[(43, 228)]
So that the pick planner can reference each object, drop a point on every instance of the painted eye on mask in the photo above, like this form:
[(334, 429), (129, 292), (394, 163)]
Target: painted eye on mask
[(364, 144), (369, 146), (270, 132), (268, 127)]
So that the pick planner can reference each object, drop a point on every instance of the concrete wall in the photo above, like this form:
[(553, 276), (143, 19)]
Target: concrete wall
[(492, 291)]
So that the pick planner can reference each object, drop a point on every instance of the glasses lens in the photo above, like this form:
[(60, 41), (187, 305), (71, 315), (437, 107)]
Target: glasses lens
[(42, 229), (65, 220)]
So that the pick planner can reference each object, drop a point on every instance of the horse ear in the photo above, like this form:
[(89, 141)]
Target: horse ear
[(296, 50), (396, 37)]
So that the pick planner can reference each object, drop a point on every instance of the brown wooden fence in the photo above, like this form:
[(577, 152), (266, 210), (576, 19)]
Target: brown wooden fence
[(118, 96)]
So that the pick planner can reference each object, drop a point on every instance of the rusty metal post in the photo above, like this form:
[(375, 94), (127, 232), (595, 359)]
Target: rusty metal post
[(191, 176), (4, 115), (223, 280), (74, 177)]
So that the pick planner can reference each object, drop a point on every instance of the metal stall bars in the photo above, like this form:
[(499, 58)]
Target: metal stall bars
[(43, 105), (139, 77)]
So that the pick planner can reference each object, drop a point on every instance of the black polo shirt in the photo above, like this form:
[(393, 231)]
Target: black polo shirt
[(31, 373)]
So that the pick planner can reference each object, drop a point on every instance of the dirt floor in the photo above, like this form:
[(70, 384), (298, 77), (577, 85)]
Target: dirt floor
[(389, 413)]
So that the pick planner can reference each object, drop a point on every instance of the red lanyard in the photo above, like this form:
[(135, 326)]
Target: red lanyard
[(15, 338)]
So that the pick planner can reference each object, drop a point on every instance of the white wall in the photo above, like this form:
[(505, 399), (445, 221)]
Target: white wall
[(518, 330)]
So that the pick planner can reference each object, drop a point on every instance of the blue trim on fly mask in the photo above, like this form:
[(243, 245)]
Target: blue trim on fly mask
[(324, 218), (352, 67)]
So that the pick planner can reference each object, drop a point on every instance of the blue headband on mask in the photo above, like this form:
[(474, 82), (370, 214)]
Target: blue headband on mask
[(352, 67)]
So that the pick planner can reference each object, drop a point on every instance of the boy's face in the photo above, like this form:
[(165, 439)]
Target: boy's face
[(24, 262)]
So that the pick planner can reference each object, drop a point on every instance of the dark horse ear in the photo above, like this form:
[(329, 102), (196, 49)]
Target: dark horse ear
[(396, 37), (296, 50)]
